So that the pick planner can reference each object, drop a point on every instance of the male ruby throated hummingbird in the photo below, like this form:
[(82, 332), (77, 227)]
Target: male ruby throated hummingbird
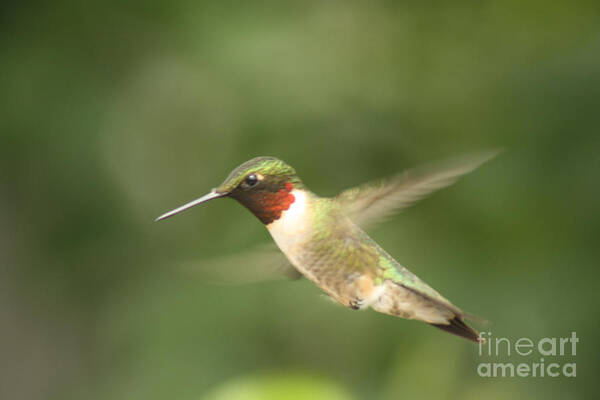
[(322, 239)]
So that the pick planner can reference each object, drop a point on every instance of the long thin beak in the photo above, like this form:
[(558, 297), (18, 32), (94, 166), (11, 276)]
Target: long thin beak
[(212, 195)]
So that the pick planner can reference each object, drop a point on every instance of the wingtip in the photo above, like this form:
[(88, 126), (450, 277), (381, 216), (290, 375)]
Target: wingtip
[(479, 158), (491, 153)]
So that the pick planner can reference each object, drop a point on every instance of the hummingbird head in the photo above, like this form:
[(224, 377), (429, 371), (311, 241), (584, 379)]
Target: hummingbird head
[(263, 185)]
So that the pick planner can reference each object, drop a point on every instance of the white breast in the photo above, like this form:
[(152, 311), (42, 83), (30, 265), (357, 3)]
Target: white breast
[(289, 230)]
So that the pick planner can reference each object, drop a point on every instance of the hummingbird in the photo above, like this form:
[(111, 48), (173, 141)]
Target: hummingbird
[(323, 237)]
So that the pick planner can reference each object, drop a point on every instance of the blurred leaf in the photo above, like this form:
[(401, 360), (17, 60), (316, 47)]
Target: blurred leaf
[(279, 387)]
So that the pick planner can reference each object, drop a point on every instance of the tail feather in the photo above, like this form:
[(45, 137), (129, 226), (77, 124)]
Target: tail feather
[(457, 326)]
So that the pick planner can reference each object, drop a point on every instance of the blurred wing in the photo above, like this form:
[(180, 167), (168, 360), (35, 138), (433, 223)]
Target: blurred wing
[(373, 202), (264, 263)]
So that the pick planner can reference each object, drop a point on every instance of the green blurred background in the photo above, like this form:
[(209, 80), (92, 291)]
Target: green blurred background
[(113, 112)]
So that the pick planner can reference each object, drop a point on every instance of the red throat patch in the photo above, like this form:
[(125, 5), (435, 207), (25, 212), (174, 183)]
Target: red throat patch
[(269, 205)]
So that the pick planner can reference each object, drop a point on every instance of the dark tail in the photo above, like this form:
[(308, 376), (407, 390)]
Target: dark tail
[(458, 327)]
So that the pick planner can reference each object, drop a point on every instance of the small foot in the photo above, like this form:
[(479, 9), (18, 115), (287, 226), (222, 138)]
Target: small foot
[(356, 304)]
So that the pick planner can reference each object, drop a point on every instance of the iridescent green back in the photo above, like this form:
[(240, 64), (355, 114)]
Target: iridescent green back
[(340, 250)]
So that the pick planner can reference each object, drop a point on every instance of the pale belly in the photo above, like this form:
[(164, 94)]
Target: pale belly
[(292, 233), (292, 230)]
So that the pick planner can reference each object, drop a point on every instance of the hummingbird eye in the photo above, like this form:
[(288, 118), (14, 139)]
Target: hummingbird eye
[(250, 181)]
